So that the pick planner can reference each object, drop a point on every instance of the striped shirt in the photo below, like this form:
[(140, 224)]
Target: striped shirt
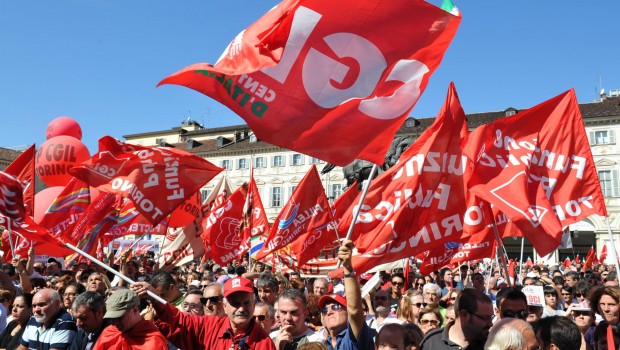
[(58, 336)]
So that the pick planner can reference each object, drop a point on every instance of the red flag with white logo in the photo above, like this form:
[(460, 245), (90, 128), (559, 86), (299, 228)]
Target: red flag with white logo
[(347, 75), (23, 169), (303, 221), (537, 167), (156, 179), (254, 223)]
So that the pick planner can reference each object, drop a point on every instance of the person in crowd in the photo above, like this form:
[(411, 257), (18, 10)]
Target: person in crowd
[(293, 312), (568, 297), (419, 282), (450, 314), (552, 307), (215, 332), (474, 318), (382, 298), (429, 319), (396, 290), (320, 286), (265, 315), (432, 293), (213, 299), (88, 309), (581, 292), (166, 287), (392, 336), (606, 300), (98, 282), (511, 334), (192, 303), (612, 279), (70, 293), (512, 303), (128, 330), (343, 317), (447, 282), (557, 332), (606, 337), (337, 285), (21, 313), (283, 282), (414, 335), (583, 316), (50, 326), (268, 288), (571, 278), (410, 305), (314, 313)]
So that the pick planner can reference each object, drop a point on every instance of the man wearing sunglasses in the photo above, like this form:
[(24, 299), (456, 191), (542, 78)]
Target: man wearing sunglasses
[(238, 330), (512, 303), (343, 317), (213, 299)]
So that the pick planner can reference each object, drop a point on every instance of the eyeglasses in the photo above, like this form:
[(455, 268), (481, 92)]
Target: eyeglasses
[(260, 317), (581, 313), (191, 306), (454, 298), (213, 300), (580, 295), (332, 307), (515, 314), (483, 318), (565, 293), (203, 286), (420, 305), (432, 322), (398, 283)]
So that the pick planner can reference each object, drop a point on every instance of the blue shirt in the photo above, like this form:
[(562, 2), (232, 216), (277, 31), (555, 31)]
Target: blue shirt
[(345, 340), (59, 335)]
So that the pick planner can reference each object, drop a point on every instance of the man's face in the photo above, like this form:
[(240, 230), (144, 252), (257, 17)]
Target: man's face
[(239, 307), (430, 297), (261, 314), (381, 299), (214, 305), (267, 294), (397, 285), (320, 287), (88, 320), (44, 309), (294, 276), (570, 281), (95, 283), (127, 321), (477, 324), (192, 305), (52, 269), (334, 316), (513, 308), (447, 276), (478, 282), (534, 313), (292, 315)]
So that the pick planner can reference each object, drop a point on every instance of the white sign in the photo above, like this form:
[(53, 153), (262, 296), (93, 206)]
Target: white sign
[(535, 295), (126, 243)]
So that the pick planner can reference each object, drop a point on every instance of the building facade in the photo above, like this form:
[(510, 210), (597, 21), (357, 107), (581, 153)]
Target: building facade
[(278, 171)]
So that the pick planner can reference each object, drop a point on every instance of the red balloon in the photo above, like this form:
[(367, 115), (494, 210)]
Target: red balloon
[(63, 126), (44, 199), (186, 212), (56, 156)]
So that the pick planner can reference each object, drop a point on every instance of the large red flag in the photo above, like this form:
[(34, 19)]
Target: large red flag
[(348, 73), (537, 167), (156, 179), (23, 169), (589, 259), (603, 254), (420, 202), (304, 219), (254, 223), (341, 204)]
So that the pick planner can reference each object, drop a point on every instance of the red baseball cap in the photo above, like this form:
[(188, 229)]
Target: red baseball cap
[(237, 284), (332, 297)]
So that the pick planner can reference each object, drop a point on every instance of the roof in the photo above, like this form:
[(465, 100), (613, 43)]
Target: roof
[(8, 155)]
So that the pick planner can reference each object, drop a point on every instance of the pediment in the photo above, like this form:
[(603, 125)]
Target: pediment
[(277, 181), (295, 179), (605, 162)]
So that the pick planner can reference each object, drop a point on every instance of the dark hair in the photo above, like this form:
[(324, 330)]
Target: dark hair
[(550, 290), (510, 293), (293, 294), (568, 289), (558, 330), (162, 279), (600, 333), (572, 274), (27, 299), (399, 275), (468, 300), (268, 280), (9, 269), (558, 280), (240, 270), (92, 300)]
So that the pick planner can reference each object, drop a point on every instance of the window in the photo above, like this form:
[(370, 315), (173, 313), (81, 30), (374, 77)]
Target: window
[(276, 197), (293, 187), (410, 123), (253, 138), (609, 183), (226, 164), (316, 161), (205, 194), (242, 163), (297, 159), (603, 137), (259, 162), (335, 191), (278, 161), (160, 141)]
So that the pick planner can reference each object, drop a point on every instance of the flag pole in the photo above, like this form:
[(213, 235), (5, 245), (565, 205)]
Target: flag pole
[(613, 244), (521, 258), (10, 222), (504, 256), (108, 268), (358, 208), (135, 242)]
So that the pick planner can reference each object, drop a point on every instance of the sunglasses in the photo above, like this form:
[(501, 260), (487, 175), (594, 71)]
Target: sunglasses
[(203, 286), (580, 295), (432, 322), (565, 293), (332, 307), (420, 305), (213, 300), (515, 314), (260, 317), (581, 313), (398, 283)]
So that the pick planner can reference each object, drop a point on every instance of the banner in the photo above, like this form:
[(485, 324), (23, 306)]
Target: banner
[(347, 75), (22, 168), (181, 245)]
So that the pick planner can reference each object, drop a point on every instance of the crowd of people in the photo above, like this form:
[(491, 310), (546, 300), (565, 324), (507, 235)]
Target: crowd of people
[(254, 306)]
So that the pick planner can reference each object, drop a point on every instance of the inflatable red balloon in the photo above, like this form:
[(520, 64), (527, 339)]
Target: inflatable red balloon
[(186, 212), (56, 156), (63, 126), (44, 199)]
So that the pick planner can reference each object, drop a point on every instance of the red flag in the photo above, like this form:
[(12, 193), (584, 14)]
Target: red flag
[(567, 262), (23, 169), (603, 254), (420, 202), (156, 179), (529, 262), (342, 203), (511, 271), (589, 259), (577, 260), (130, 222), (349, 73), (254, 222), (537, 167), (305, 222)]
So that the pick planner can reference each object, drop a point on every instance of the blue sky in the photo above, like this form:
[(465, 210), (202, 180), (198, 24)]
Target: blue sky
[(99, 61)]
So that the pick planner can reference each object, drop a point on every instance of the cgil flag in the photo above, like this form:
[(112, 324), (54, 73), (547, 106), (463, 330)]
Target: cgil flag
[(313, 76)]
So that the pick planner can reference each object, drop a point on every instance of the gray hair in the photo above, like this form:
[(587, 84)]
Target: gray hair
[(268, 280), (507, 335), (432, 287), (92, 300), (272, 310)]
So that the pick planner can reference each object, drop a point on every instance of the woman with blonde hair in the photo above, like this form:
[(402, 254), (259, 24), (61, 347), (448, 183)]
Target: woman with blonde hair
[(410, 305)]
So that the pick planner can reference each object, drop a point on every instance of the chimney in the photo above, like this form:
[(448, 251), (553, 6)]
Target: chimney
[(603, 95)]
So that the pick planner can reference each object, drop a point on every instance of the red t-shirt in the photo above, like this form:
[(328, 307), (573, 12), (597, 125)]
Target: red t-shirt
[(143, 335)]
